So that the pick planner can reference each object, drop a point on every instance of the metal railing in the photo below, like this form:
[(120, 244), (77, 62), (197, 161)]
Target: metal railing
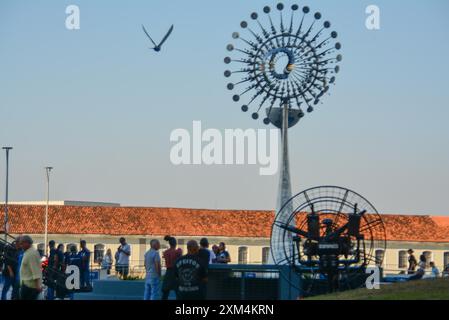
[(243, 282)]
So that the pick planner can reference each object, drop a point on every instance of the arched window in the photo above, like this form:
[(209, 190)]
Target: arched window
[(446, 259), (265, 255), (379, 255), (428, 255), (41, 249), (243, 255), (98, 253), (403, 259)]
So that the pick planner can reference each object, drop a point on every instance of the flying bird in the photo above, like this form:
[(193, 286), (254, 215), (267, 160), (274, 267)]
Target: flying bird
[(157, 47)]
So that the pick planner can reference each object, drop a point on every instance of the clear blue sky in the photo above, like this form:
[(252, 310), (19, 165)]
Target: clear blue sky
[(99, 106)]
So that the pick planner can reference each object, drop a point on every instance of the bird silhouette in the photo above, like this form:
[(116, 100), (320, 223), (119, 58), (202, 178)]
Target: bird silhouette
[(157, 47)]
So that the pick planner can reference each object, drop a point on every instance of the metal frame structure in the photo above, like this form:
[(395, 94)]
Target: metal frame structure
[(286, 64), (327, 233)]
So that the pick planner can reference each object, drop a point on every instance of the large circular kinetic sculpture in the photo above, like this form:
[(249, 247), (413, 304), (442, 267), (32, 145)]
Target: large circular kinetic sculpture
[(290, 63), (330, 234)]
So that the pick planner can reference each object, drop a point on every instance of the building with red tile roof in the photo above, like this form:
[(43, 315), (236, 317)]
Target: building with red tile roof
[(102, 225), (149, 221)]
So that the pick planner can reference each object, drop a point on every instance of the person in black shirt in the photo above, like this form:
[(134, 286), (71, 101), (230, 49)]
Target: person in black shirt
[(50, 275), (190, 274), (205, 257), (59, 267), (9, 268), (59, 261), (204, 253), (84, 253), (67, 253), (412, 263)]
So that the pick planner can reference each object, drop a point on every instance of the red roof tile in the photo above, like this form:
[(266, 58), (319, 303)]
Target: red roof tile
[(192, 222), (140, 221)]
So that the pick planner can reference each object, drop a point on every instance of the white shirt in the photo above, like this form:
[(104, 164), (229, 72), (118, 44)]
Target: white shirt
[(123, 259), (212, 256)]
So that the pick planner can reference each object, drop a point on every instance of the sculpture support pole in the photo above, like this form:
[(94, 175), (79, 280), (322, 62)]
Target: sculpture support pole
[(285, 187)]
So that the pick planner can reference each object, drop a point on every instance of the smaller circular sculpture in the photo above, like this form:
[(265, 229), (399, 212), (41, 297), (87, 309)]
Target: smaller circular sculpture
[(292, 61), (328, 236)]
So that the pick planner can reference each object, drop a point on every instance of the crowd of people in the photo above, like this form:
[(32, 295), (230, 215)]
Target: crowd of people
[(186, 275), (25, 270), (417, 270), (21, 270)]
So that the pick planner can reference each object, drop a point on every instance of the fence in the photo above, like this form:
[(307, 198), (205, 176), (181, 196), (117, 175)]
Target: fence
[(243, 282)]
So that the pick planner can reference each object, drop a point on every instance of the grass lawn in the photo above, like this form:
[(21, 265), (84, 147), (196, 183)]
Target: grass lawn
[(432, 289)]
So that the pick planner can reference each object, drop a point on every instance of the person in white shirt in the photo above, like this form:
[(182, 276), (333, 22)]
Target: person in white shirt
[(106, 263), (122, 257), (204, 244), (421, 269)]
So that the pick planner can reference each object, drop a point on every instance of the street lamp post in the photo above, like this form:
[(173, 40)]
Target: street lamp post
[(47, 171), (7, 149)]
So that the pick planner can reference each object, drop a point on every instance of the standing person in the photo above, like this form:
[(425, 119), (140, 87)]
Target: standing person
[(67, 253), (30, 271), (84, 270), (50, 275), (206, 257), (9, 268), (223, 255), (153, 270), (59, 268), (190, 273), (122, 256), (170, 256), (412, 263), (2, 248), (60, 259), (215, 250), (421, 270), (435, 271), (16, 286), (106, 263), (205, 254)]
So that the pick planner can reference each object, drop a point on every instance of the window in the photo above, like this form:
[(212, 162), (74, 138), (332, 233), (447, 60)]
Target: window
[(380, 254), (428, 256), (98, 253), (446, 259), (243, 255), (41, 249), (403, 259), (265, 255)]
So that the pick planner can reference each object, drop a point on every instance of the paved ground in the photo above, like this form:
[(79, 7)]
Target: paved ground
[(171, 296)]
